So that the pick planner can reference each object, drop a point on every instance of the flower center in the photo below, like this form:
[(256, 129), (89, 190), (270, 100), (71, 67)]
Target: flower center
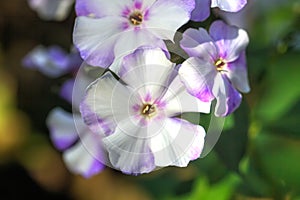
[(220, 65), (136, 18), (148, 110)]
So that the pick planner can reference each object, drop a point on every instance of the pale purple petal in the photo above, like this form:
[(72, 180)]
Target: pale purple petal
[(51, 9), (177, 143), (229, 5), (100, 8), (166, 16), (178, 100), (105, 102), (230, 40), (85, 157), (228, 98), (238, 75), (201, 11), (83, 80), (198, 43), (66, 90), (95, 43), (198, 76), (62, 129)]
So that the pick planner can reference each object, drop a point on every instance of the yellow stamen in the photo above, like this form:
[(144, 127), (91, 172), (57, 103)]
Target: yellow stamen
[(220, 64), (136, 18), (148, 110)]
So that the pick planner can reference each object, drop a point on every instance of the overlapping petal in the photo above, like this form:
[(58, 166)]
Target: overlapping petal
[(178, 100), (238, 74), (228, 98), (198, 43), (198, 77)]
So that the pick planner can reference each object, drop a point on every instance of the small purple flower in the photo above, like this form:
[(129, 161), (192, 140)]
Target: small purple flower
[(202, 8), (52, 61), (73, 141), (137, 115), (217, 66), (51, 9), (105, 30)]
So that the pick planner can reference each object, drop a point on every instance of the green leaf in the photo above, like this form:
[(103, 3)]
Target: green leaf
[(282, 89), (232, 144), (279, 160)]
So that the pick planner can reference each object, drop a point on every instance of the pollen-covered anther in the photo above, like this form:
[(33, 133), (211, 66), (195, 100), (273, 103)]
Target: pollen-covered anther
[(220, 65), (148, 110), (136, 18)]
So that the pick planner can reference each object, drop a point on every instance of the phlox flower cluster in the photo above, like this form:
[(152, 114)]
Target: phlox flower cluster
[(129, 117)]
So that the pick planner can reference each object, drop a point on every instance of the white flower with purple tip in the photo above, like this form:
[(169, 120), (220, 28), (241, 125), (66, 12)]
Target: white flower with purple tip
[(137, 115), (73, 141), (202, 8), (105, 30), (217, 66)]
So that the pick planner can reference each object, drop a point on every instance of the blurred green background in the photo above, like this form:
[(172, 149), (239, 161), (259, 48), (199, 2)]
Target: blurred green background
[(256, 158)]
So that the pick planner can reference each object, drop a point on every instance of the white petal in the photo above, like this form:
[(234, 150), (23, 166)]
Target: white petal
[(177, 143), (165, 17), (95, 43), (229, 5), (198, 76), (85, 157), (106, 101), (63, 132), (147, 70), (178, 100), (130, 40), (128, 150)]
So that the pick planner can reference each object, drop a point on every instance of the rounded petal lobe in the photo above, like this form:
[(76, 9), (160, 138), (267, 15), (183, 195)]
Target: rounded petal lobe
[(198, 43), (148, 70), (228, 98), (84, 158), (229, 5), (165, 17), (238, 75), (105, 99), (177, 143), (95, 43), (62, 129), (201, 11), (231, 41)]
